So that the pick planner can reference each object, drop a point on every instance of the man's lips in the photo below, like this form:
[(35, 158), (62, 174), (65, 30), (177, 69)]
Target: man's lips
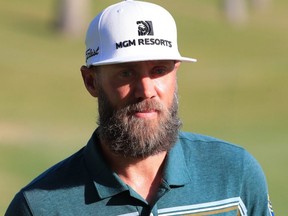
[(145, 113)]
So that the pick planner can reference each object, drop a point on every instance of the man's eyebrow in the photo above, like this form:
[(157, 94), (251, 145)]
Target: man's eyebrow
[(126, 64)]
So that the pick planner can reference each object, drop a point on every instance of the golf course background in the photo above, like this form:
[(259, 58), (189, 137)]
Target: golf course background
[(237, 91)]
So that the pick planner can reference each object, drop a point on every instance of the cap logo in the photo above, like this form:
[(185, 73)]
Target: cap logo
[(145, 28), (91, 52)]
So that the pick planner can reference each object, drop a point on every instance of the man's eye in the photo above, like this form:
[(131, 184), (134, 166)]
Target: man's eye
[(126, 74), (159, 71)]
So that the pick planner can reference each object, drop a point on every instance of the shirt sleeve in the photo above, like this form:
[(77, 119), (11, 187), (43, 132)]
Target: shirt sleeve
[(18, 206), (254, 190)]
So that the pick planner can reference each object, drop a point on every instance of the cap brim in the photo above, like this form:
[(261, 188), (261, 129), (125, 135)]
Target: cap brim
[(140, 58)]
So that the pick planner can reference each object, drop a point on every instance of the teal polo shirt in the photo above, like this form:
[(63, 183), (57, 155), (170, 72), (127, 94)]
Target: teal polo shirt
[(202, 176)]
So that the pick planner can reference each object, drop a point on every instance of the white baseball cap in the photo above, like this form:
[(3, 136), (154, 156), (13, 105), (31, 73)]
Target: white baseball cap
[(132, 31)]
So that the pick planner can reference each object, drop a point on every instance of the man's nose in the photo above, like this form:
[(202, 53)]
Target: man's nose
[(145, 88)]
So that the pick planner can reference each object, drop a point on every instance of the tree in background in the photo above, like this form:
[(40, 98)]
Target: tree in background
[(260, 5), (72, 16), (236, 11)]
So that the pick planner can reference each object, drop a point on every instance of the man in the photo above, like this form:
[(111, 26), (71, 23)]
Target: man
[(138, 162)]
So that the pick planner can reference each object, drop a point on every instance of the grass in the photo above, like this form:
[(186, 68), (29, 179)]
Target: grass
[(237, 91)]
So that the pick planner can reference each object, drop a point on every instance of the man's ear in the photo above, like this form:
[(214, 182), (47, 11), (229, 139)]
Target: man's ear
[(89, 78), (177, 64)]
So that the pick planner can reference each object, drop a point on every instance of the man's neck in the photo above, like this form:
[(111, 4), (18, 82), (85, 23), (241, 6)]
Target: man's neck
[(143, 175)]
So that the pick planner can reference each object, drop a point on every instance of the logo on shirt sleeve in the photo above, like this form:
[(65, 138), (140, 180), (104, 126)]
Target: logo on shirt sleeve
[(270, 207)]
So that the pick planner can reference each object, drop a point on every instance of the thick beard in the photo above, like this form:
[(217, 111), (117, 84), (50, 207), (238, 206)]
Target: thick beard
[(129, 136)]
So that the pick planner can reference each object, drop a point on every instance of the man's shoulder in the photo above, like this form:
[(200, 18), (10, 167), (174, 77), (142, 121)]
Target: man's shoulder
[(202, 148), (209, 156), (59, 175), (54, 186), (194, 140)]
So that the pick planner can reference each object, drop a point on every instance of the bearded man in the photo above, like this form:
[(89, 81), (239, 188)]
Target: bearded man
[(138, 162)]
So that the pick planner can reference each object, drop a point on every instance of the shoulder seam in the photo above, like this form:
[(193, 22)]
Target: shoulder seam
[(204, 139)]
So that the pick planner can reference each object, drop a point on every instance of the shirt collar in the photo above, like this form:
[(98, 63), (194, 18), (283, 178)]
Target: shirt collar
[(109, 184), (105, 180), (176, 172)]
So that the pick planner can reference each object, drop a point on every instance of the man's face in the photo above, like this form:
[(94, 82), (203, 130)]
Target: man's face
[(133, 82), (138, 107)]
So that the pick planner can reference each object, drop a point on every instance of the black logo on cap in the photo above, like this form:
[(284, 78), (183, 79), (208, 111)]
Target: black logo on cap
[(91, 52), (145, 28)]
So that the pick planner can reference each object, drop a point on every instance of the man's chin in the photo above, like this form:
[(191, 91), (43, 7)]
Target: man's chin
[(146, 122)]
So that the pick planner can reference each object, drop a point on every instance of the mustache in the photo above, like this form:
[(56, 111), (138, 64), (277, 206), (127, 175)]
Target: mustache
[(145, 105)]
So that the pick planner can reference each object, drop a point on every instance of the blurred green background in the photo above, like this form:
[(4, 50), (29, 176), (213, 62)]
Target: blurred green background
[(237, 91)]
